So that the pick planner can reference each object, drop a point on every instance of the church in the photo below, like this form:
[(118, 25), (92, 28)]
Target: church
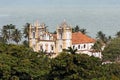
[(40, 39)]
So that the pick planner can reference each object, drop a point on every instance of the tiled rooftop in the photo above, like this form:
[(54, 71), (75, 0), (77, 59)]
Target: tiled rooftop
[(79, 38)]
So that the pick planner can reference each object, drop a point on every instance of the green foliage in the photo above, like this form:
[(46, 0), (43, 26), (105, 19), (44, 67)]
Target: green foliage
[(70, 50), (9, 33), (26, 30), (26, 43), (20, 62), (118, 34), (101, 36), (6, 32), (77, 29), (16, 35), (74, 67), (82, 67), (112, 50), (97, 46)]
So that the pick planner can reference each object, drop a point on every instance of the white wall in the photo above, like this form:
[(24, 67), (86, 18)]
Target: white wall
[(68, 35), (43, 43), (59, 44), (87, 49), (87, 46), (68, 43)]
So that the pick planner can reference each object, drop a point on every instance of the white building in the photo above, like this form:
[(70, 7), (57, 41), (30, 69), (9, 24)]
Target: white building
[(41, 39)]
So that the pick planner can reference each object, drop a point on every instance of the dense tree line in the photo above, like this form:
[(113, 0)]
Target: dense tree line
[(19, 62)]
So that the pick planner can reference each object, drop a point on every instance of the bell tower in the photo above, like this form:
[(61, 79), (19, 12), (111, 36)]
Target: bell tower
[(59, 41), (33, 36), (64, 37), (67, 35)]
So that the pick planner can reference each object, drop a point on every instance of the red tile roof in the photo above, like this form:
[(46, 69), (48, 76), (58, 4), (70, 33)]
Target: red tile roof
[(79, 38)]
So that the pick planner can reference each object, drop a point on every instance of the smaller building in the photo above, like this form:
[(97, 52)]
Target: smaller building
[(84, 44), (41, 39)]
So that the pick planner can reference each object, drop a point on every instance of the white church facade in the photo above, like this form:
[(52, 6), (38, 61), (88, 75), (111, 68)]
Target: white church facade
[(41, 39)]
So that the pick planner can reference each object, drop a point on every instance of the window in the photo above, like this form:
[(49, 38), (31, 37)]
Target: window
[(60, 35), (60, 46), (84, 45), (33, 34), (78, 46), (41, 47), (52, 48)]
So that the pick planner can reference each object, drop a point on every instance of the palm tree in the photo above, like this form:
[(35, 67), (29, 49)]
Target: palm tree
[(25, 43), (97, 46), (77, 29), (16, 36), (10, 28), (101, 36), (26, 30), (5, 35), (6, 32), (71, 50), (118, 34), (26, 34), (83, 31)]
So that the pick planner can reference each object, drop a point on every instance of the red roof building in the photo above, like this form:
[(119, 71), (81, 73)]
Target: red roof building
[(79, 38)]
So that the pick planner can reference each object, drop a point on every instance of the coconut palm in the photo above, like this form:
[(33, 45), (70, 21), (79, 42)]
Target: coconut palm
[(77, 29), (97, 46), (71, 50), (118, 34), (26, 30), (10, 28), (83, 31), (16, 36), (101, 36), (26, 34), (6, 32), (25, 42), (5, 35)]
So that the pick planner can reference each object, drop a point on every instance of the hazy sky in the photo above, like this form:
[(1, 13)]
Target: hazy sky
[(93, 15)]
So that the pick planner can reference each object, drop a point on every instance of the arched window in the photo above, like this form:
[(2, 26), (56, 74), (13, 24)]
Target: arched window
[(52, 47), (78, 46), (33, 34), (60, 46), (41, 47), (60, 35)]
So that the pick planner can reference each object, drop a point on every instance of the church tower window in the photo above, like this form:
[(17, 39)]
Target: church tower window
[(33, 34), (52, 48), (41, 47)]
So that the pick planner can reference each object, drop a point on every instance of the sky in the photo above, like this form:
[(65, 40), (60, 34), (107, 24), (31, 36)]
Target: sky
[(93, 15)]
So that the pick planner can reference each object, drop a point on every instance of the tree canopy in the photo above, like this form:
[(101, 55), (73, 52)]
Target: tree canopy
[(112, 50), (17, 61), (77, 29)]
